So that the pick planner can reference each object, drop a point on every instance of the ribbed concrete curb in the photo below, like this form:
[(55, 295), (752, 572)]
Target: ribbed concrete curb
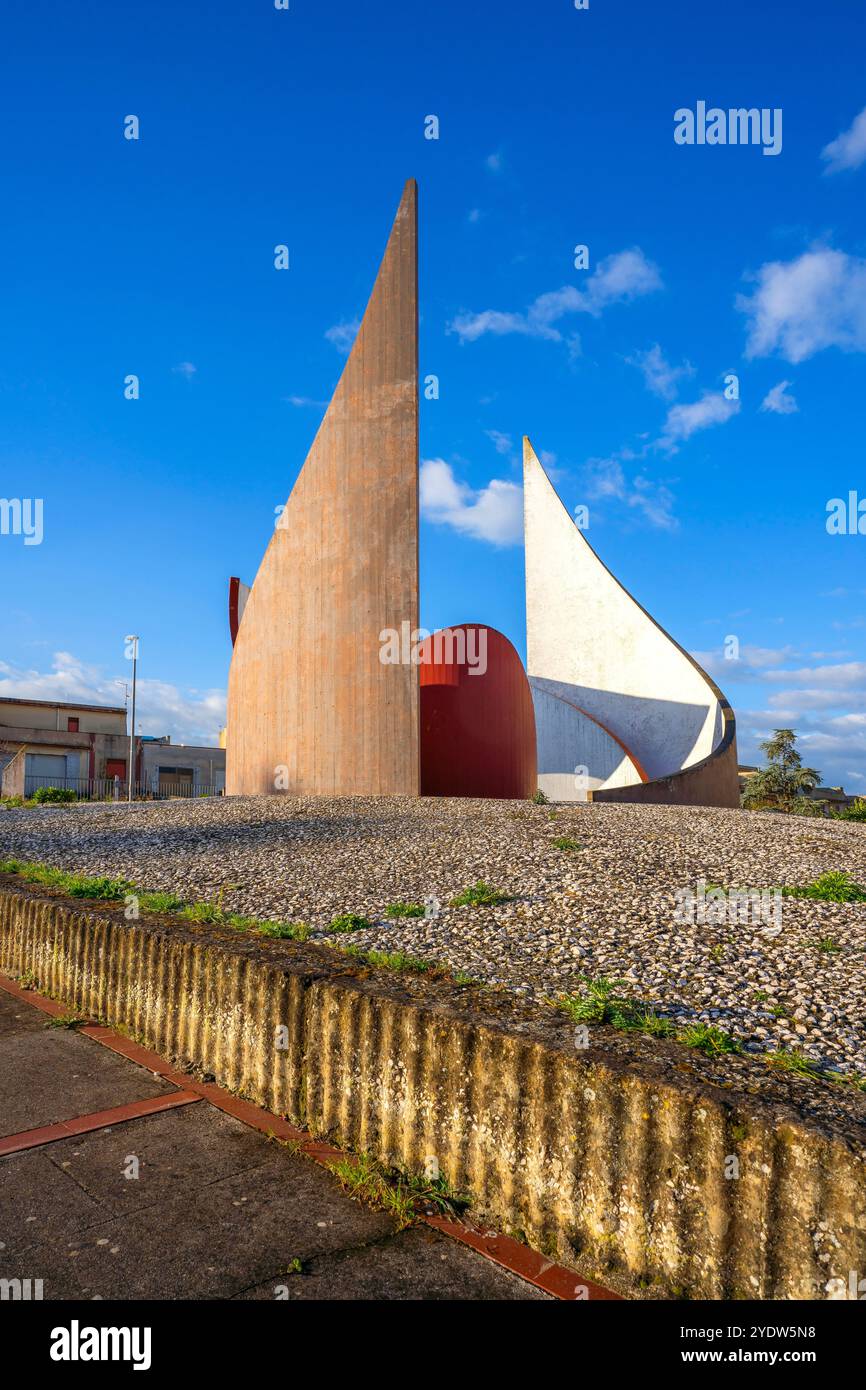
[(618, 1158)]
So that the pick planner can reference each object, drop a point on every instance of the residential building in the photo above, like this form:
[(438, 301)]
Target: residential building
[(51, 743)]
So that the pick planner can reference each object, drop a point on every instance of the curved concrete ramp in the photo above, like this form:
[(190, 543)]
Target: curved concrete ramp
[(311, 708), (591, 644)]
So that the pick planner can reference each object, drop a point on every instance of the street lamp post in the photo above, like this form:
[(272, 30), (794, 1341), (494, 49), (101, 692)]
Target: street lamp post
[(131, 650)]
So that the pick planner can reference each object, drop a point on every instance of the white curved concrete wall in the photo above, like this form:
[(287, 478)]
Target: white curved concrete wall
[(589, 642), (567, 729)]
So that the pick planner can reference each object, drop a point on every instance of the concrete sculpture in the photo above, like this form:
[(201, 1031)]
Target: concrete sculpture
[(622, 712), (311, 708)]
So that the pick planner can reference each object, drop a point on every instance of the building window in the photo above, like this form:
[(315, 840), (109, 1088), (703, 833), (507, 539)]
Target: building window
[(72, 726)]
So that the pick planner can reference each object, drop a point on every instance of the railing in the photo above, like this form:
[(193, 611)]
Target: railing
[(116, 788)]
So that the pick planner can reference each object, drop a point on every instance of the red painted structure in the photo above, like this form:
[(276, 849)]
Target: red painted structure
[(238, 595), (477, 719)]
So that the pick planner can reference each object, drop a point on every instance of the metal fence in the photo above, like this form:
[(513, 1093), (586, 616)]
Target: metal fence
[(117, 789)]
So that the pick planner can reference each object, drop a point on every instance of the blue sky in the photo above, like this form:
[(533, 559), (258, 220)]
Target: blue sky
[(260, 127)]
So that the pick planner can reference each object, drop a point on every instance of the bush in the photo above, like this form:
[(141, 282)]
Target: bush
[(53, 795), (856, 811)]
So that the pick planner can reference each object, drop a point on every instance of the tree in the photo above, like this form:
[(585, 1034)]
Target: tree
[(784, 781)]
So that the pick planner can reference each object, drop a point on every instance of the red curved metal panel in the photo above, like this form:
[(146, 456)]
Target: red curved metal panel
[(234, 616), (477, 719)]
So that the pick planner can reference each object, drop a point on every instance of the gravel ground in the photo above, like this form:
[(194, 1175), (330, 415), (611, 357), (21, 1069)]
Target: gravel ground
[(608, 908)]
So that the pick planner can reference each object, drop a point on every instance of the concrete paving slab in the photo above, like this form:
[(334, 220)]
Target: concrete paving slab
[(177, 1153), (53, 1074), (415, 1264), (16, 1017), (209, 1243), (39, 1202)]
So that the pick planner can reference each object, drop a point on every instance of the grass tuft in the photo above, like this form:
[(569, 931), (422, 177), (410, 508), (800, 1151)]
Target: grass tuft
[(600, 1003), (403, 1195), (404, 910), (160, 902), (833, 887), (481, 895), (708, 1039), (791, 1060), (389, 960), (98, 887), (286, 931), (349, 921), (203, 912)]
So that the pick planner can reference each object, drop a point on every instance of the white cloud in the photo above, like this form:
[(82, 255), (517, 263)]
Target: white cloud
[(659, 375), (474, 215), (686, 419), (189, 716), (848, 150), (304, 401), (802, 306), (185, 369), (845, 676), (825, 703), (619, 278), (493, 513), (605, 478), (502, 443), (343, 335), (779, 401), (494, 162), (469, 327), (752, 664)]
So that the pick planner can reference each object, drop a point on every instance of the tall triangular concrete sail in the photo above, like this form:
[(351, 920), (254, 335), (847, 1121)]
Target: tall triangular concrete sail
[(311, 708), (668, 732)]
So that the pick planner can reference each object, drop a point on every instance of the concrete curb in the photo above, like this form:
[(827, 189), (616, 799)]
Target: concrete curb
[(616, 1159)]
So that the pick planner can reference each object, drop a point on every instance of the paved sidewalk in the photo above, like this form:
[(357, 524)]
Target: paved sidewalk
[(216, 1210)]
